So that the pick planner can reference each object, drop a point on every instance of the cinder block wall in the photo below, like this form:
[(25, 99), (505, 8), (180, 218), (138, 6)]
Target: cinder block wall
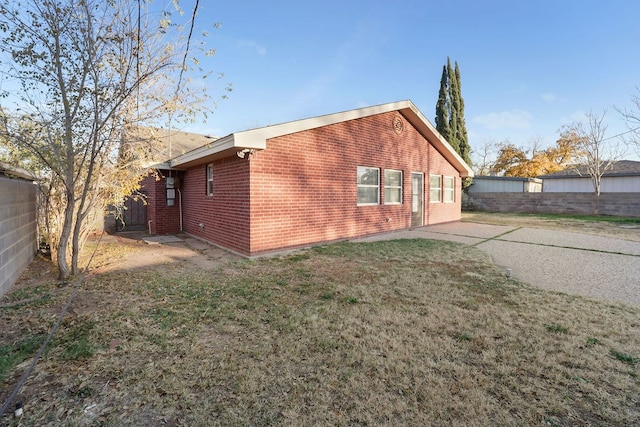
[(18, 229), (618, 204)]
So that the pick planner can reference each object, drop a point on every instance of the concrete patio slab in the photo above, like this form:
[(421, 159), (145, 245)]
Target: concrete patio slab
[(576, 263), (599, 275), (156, 240), (573, 240)]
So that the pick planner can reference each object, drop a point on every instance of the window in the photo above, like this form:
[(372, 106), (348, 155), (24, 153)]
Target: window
[(435, 185), (368, 185), (209, 180), (449, 189), (392, 187)]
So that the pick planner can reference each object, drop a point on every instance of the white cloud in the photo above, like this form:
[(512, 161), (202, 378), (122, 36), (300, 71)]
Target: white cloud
[(549, 97), (252, 45), (576, 116), (513, 119)]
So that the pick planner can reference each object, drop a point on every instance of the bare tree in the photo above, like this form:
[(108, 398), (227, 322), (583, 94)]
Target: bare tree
[(596, 154), (484, 157), (86, 73), (632, 119)]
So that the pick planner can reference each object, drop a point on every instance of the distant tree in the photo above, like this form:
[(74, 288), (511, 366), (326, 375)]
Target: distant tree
[(483, 157), (511, 161), (632, 118), (596, 154), (530, 163)]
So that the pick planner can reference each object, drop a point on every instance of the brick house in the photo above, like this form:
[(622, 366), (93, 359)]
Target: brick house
[(322, 179)]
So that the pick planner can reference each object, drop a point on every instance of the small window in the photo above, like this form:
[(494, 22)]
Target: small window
[(449, 189), (392, 187), (435, 186), (209, 180), (368, 186)]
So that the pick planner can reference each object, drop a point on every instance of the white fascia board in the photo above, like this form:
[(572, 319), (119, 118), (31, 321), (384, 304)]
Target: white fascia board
[(256, 139), (269, 132), (423, 125), (156, 165), (230, 143)]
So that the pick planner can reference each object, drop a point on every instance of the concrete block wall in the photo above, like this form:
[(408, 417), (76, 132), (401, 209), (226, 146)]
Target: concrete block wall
[(18, 229), (617, 204)]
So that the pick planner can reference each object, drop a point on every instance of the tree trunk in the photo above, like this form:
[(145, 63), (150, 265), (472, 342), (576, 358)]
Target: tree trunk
[(63, 266), (75, 247)]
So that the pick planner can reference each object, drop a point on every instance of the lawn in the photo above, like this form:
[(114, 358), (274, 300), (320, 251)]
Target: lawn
[(405, 332)]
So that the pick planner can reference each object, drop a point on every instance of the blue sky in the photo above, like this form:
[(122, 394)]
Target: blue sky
[(527, 67)]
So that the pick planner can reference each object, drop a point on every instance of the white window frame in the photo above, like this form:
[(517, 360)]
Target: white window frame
[(377, 186), (449, 191), (209, 179), (388, 172), (432, 188)]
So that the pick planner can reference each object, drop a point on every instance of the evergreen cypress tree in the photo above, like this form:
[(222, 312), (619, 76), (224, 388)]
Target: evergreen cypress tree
[(464, 149), (450, 120), (454, 102), (443, 107)]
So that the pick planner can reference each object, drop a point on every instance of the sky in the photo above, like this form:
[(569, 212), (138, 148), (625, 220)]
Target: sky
[(527, 67)]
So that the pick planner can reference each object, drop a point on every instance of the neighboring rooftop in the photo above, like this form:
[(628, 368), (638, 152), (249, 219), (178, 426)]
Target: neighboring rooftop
[(619, 168)]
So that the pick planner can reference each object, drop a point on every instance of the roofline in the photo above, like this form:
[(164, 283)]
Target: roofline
[(256, 139), (507, 178), (587, 176), (424, 126)]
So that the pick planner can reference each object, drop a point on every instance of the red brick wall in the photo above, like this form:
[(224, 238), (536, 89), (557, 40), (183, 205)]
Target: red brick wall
[(149, 188), (302, 189), (164, 219), (438, 213), (303, 186), (225, 215)]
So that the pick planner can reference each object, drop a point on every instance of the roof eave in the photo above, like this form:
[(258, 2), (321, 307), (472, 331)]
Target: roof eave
[(417, 119), (223, 147), (256, 139)]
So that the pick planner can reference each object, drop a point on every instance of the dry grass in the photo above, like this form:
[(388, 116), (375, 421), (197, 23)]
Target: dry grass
[(407, 332)]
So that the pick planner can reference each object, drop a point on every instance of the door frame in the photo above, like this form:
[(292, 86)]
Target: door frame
[(421, 198)]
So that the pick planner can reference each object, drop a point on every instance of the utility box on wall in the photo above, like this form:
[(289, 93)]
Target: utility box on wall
[(170, 184)]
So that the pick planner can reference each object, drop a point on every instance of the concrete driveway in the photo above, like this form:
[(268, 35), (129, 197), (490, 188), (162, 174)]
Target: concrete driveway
[(575, 263)]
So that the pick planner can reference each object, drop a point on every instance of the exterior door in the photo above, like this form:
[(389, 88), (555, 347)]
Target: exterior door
[(134, 216), (417, 199)]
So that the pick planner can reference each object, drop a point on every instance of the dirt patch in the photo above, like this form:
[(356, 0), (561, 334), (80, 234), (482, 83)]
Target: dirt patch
[(143, 256)]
